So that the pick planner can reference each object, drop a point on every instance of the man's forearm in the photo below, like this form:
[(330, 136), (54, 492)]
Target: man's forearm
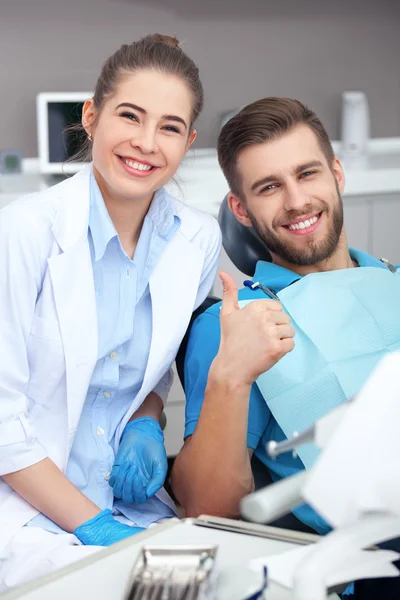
[(47, 489), (213, 472), (152, 406)]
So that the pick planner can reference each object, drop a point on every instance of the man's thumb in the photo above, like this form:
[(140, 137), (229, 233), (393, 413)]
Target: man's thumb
[(230, 296)]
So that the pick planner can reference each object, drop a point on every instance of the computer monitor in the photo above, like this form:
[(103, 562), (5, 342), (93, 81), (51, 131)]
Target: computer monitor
[(56, 111)]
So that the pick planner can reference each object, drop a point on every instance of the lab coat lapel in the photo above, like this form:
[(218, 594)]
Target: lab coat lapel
[(173, 293), (73, 287)]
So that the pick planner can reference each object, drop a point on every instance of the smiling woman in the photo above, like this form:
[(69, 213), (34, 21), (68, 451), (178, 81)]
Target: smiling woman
[(113, 270), (140, 122), (140, 135)]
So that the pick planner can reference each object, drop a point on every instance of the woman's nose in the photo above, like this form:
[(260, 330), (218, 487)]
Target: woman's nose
[(145, 140)]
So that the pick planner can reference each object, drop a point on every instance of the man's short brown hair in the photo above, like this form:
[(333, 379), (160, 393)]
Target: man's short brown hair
[(262, 121)]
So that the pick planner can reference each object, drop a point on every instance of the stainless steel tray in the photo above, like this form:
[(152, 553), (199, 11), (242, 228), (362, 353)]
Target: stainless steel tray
[(173, 573)]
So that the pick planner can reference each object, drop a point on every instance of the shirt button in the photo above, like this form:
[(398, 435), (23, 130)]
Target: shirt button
[(107, 475), (100, 431), (114, 355), (107, 395)]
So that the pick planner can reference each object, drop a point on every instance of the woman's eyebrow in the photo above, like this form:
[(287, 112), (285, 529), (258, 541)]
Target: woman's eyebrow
[(144, 112)]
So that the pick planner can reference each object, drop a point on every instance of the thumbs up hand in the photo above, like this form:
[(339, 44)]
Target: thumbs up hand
[(254, 338)]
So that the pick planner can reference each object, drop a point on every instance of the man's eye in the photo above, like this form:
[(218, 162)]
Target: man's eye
[(307, 174), (268, 188)]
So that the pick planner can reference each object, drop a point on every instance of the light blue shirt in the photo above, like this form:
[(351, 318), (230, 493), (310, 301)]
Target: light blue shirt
[(124, 334)]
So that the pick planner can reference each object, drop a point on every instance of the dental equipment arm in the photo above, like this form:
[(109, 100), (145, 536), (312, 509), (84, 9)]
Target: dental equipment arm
[(279, 499), (319, 433), (274, 501)]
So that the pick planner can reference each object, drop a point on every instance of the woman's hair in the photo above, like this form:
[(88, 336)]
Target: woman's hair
[(153, 52), (263, 121)]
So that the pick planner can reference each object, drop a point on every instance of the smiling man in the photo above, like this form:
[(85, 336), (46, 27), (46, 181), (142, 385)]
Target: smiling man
[(258, 369)]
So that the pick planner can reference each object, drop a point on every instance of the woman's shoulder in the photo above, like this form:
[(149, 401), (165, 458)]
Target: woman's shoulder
[(37, 210), (31, 211), (194, 218)]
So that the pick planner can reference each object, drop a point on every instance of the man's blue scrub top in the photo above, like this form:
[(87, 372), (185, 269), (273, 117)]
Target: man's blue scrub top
[(201, 350)]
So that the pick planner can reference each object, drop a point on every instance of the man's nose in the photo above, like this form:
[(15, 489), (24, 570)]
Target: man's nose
[(295, 197)]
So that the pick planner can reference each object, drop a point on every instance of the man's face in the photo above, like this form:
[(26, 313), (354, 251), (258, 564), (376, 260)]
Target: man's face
[(291, 196)]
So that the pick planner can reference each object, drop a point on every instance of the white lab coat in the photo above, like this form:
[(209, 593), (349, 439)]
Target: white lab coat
[(48, 325)]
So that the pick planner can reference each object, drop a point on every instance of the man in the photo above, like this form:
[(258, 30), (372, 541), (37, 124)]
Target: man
[(261, 371)]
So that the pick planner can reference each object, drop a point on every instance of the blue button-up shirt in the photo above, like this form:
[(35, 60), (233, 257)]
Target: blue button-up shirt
[(124, 334)]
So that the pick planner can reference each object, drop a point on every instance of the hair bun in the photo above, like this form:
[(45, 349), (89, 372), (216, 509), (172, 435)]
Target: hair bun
[(168, 40)]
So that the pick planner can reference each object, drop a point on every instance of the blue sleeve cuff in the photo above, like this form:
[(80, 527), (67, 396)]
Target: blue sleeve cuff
[(190, 427), (252, 440)]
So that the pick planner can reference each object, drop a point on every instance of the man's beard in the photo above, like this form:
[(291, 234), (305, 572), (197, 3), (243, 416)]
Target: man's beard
[(311, 254)]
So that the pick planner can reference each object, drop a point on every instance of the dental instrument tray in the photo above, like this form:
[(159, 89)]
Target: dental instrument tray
[(173, 573)]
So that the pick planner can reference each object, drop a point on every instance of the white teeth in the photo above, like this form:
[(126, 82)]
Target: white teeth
[(136, 165), (304, 224)]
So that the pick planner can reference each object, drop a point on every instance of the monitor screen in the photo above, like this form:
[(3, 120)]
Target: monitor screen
[(56, 113), (63, 144)]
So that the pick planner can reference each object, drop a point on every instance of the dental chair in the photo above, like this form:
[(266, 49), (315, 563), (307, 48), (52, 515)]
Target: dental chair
[(244, 248)]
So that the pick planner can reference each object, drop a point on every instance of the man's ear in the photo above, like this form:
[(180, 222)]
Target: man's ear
[(238, 209), (339, 174)]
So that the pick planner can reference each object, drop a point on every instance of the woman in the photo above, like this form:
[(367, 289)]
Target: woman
[(99, 277)]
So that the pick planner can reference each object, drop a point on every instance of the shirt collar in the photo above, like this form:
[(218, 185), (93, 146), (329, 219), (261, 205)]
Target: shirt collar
[(277, 278), (162, 213), (100, 224), (366, 260)]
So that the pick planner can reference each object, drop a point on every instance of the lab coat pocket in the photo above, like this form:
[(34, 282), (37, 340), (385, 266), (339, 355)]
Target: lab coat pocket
[(46, 328), (45, 359)]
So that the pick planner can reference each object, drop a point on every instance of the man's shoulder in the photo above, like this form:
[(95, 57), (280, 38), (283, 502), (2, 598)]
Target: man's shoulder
[(212, 313)]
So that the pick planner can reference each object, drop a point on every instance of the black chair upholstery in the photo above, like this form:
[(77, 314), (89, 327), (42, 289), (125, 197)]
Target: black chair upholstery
[(242, 244)]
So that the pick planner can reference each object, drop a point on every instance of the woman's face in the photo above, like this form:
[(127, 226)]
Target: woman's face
[(141, 134)]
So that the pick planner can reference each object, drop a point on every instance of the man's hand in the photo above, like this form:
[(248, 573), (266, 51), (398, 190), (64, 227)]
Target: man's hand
[(141, 464), (253, 339)]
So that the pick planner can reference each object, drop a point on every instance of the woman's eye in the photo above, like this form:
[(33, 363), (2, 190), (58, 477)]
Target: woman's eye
[(130, 116), (172, 128)]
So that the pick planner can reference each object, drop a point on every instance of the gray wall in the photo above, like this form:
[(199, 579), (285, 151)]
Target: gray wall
[(309, 49)]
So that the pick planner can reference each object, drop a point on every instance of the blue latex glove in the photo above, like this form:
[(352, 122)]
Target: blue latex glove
[(104, 530), (141, 464)]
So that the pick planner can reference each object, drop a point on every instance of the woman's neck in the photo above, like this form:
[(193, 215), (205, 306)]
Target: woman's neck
[(127, 215)]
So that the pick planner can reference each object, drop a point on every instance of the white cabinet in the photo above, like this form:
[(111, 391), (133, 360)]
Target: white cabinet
[(385, 223), (357, 223)]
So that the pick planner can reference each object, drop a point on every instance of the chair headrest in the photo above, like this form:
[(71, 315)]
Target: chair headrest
[(242, 244)]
